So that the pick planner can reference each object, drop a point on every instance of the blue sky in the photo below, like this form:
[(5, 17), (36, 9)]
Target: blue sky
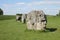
[(11, 7)]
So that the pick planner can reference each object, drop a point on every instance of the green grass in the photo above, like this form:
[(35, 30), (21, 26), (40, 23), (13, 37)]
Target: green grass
[(12, 30)]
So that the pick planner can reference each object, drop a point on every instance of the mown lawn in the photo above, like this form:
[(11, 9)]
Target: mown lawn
[(12, 30)]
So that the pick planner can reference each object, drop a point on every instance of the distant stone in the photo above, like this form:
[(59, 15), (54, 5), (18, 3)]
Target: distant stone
[(24, 18), (18, 18)]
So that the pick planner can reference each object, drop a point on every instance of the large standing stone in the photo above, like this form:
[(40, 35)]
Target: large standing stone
[(36, 20)]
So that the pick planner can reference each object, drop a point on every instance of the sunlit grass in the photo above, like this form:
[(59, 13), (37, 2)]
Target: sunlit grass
[(12, 30)]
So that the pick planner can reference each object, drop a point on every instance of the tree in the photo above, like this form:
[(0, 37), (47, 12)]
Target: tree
[(58, 13), (1, 11)]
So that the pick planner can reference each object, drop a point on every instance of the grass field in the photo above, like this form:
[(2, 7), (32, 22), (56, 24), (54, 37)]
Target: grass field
[(12, 30)]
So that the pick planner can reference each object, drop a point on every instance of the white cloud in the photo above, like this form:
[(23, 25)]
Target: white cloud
[(11, 5), (7, 5), (20, 3), (33, 3), (44, 2)]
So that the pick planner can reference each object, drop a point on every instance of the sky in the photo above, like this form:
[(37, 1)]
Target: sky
[(12, 7)]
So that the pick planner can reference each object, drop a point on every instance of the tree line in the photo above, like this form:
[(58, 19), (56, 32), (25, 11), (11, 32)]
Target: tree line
[(1, 11)]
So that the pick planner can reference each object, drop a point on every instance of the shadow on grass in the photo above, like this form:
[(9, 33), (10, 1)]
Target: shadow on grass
[(42, 31), (51, 29)]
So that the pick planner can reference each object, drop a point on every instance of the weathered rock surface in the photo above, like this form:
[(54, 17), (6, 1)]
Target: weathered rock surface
[(36, 20)]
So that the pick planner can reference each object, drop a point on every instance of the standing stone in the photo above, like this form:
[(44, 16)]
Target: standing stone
[(36, 20), (18, 18), (24, 18)]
